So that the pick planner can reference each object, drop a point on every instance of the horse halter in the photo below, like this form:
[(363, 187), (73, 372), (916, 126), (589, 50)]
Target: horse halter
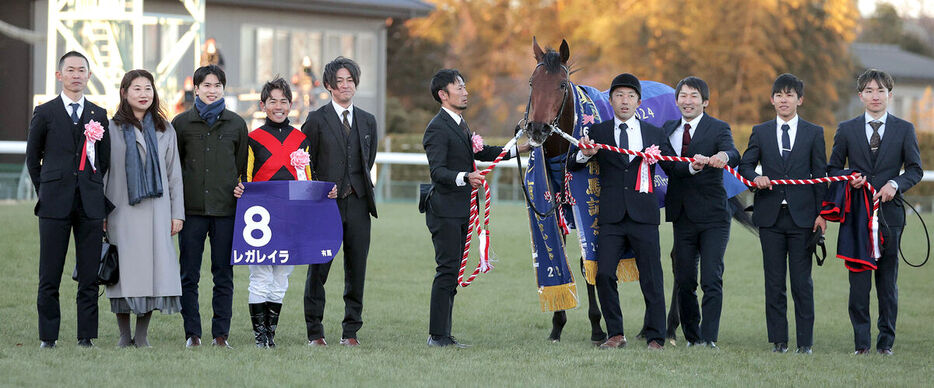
[(537, 139)]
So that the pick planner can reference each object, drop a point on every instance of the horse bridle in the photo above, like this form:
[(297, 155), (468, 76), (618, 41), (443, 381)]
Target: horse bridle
[(528, 106), (552, 127)]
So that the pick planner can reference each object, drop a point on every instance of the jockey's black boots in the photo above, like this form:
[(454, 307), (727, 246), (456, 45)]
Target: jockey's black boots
[(258, 318), (272, 321)]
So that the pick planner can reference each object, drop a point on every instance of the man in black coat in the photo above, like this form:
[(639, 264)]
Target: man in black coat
[(787, 148), (878, 145), (696, 203), (343, 150), (447, 143), (629, 217), (67, 170)]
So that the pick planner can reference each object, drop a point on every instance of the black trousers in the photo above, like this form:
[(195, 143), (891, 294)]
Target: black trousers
[(886, 290), (784, 249), (643, 238), (191, 249), (710, 241), (448, 236), (674, 319), (355, 218), (54, 234)]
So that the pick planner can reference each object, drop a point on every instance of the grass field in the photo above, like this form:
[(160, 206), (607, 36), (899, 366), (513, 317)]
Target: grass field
[(499, 315)]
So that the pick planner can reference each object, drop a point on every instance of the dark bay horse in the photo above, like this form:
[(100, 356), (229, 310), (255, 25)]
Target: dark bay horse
[(551, 105)]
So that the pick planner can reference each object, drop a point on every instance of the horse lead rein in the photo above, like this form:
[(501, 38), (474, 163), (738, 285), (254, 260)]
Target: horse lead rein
[(729, 169), (875, 203), (483, 233)]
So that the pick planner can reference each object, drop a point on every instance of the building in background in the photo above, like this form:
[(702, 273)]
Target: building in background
[(253, 40)]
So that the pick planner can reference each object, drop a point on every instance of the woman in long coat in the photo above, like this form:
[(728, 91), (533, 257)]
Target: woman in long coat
[(145, 185)]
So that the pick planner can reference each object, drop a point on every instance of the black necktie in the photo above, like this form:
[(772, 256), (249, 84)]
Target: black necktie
[(875, 140), (346, 122), (786, 142), (623, 140), (464, 127), (74, 112)]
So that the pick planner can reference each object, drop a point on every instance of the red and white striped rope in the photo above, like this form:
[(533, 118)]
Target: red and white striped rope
[(734, 172), (876, 243), (474, 223)]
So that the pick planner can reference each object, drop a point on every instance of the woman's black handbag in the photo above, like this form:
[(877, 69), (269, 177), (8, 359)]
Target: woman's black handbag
[(108, 273)]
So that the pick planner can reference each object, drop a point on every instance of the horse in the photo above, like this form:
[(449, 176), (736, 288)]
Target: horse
[(550, 106)]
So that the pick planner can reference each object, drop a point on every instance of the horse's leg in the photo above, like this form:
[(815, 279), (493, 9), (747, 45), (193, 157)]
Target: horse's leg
[(597, 335), (557, 325)]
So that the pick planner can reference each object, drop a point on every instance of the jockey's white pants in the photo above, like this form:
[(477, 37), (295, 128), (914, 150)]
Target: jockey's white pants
[(268, 283)]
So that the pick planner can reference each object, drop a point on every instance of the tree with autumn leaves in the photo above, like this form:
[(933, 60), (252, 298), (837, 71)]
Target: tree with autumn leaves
[(738, 46)]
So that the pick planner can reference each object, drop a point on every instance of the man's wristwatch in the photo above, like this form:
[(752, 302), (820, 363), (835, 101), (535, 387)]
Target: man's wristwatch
[(466, 178)]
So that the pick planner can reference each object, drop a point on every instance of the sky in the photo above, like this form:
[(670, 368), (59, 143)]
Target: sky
[(911, 8)]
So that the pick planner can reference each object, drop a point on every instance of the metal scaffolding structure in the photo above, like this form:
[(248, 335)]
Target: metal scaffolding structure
[(110, 34)]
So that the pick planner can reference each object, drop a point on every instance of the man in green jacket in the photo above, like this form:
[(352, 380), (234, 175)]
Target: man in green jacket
[(212, 144)]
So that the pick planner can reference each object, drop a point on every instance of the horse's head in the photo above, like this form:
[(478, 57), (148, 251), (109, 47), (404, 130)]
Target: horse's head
[(550, 89)]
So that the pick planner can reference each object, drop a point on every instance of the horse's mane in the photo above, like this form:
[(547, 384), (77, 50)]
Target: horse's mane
[(551, 60)]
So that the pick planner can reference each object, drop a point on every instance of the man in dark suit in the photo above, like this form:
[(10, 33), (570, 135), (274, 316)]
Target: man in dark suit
[(787, 148), (628, 216), (343, 150), (696, 203), (67, 170), (447, 143), (878, 145)]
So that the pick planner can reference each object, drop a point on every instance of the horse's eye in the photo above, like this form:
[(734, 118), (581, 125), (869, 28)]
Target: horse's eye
[(564, 86)]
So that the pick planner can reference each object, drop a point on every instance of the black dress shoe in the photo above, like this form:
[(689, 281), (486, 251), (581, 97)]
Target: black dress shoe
[(780, 347), (85, 343), (885, 352), (457, 344), (437, 341), (46, 344), (803, 350)]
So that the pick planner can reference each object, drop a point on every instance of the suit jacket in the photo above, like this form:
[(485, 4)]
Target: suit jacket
[(700, 197), (53, 155), (328, 146), (899, 149), (807, 160), (618, 175), (450, 152)]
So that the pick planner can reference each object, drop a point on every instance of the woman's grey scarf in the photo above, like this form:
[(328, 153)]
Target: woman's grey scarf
[(143, 180)]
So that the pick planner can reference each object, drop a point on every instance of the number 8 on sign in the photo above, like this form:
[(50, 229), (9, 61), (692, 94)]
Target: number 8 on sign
[(262, 226)]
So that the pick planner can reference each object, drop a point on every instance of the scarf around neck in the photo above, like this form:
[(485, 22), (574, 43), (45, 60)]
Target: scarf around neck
[(209, 112), (143, 178)]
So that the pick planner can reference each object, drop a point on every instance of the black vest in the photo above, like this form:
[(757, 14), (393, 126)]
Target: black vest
[(353, 174)]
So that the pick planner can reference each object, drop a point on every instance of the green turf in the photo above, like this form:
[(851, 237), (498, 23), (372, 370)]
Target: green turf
[(499, 315)]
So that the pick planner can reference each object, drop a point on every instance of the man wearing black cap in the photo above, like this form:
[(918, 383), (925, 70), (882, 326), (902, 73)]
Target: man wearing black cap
[(628, 217)]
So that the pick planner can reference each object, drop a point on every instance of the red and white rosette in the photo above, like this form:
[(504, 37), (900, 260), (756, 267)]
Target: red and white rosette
[(300, 159), (644, 180), (93, 132)]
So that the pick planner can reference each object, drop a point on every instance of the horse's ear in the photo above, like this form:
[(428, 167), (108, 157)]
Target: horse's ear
[(565, 51), (539, 54)]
